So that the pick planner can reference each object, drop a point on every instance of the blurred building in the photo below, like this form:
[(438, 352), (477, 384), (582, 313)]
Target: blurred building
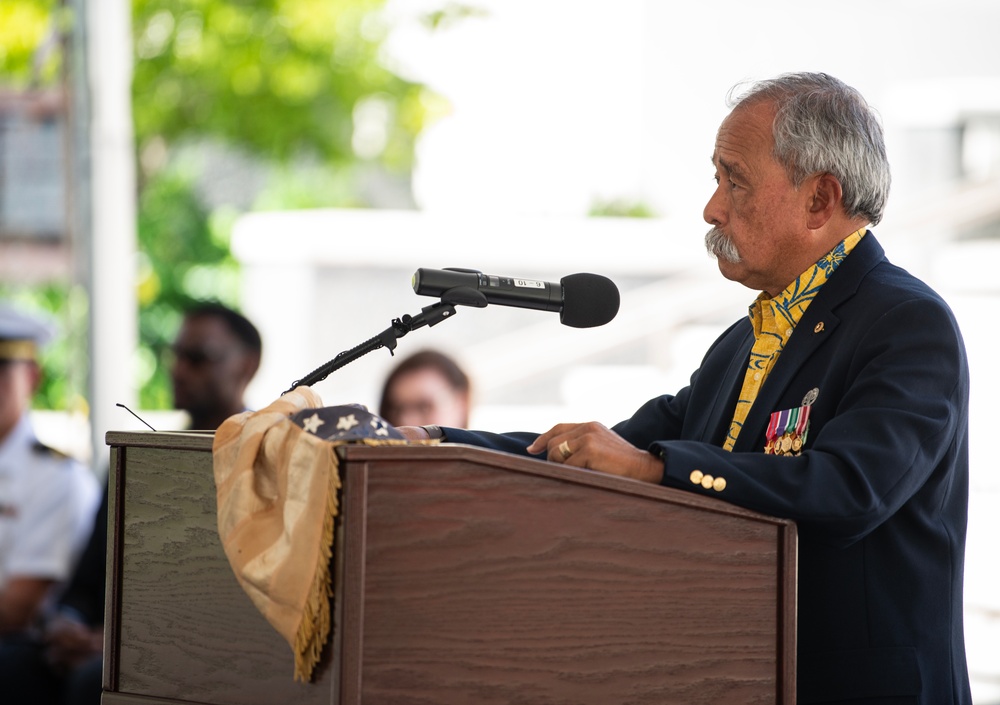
[(34, 186)]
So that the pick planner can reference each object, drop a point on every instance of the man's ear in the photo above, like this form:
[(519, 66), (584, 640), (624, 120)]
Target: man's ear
[(35, 376), (825, 197), (251, 363)]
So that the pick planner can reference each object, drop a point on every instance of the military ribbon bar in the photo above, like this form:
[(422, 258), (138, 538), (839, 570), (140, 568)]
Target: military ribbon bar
[(786, 431)]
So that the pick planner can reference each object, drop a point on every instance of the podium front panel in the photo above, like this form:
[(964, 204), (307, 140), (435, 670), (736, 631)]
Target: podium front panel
[(461, 576), (524, 583), (183, 631)]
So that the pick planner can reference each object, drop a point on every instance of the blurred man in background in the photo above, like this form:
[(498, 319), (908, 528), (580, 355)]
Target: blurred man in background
[(216, 353), (47, 500)]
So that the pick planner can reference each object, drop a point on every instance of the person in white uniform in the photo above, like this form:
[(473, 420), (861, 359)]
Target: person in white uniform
[(47, 500)]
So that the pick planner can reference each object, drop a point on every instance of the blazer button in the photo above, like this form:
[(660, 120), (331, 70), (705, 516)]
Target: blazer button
[(696, 476), (707, 481), (719, 484)]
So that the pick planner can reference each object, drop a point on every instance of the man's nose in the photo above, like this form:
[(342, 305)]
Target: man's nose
[(714, 213)]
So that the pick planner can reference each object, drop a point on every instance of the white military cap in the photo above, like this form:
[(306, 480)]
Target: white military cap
[(22, 334)]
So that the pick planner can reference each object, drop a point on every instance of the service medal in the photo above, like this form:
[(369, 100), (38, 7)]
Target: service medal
[(787, 429)]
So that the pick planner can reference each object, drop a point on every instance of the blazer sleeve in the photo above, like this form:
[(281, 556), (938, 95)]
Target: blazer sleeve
[(513, 442), (891, 422)]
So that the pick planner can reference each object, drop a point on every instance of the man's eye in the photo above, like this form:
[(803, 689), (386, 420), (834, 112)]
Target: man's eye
[(729, 182)]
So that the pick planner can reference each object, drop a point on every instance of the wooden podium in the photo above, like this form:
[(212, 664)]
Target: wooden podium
[(461, 576)]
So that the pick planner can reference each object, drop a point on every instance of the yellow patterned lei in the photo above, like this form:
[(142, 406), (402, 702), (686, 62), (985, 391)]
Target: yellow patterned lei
[(773, 321)]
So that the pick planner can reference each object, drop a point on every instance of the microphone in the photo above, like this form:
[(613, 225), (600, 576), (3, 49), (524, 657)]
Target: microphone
[(582, 300)]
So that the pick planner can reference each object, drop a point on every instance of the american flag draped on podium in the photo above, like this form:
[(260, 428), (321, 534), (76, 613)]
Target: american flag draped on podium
[(277, 486)]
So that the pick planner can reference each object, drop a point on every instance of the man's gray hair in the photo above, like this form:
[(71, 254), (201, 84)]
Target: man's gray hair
[(823, 125)]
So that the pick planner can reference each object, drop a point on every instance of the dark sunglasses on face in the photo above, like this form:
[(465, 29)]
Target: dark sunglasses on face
[(198, 357)]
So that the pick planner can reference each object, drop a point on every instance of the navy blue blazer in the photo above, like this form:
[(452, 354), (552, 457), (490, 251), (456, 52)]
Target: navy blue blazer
[(879, 493)]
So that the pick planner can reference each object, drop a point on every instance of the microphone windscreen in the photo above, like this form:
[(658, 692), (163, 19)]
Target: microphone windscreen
[(589, 300)]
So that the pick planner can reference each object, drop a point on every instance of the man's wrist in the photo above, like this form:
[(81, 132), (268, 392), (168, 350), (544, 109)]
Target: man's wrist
[(434, 432)]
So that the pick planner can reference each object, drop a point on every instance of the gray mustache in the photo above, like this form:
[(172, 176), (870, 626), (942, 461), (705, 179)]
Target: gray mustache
[(721, 246)]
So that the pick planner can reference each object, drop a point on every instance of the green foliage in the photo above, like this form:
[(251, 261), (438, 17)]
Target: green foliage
[(30, 59), (284, 81), (64, 361), (300, 85), (184, 257), (309, 187), (29, 37), (280, 78), (620, 208), (450, 14)]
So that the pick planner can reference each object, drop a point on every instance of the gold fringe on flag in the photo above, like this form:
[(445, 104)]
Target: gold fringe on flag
[(277, 489)]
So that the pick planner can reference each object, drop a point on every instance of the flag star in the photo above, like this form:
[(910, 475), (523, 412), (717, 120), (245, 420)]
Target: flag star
[(313, 423), (346, 423), (381, 428)]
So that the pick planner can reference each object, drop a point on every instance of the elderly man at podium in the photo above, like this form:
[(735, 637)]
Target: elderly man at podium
[(841, 402)]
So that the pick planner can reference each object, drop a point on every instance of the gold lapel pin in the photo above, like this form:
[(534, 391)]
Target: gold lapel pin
[(819, 327)]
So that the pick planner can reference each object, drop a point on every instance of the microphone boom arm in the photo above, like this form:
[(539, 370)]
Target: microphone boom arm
[(428, 316)]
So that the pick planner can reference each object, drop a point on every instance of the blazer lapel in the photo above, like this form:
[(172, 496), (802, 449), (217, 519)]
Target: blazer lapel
[(715, 424), (817, 326)]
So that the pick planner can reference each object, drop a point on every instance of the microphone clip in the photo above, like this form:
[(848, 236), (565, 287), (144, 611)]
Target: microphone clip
[(464, 296)]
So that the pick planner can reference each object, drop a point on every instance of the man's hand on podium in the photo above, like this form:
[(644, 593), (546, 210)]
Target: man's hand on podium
[(596, 447), (414, 433)]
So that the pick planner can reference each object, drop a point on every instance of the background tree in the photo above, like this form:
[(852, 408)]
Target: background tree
[(31, 61), (292, 99), (293, 95), (29, 52), (279, 78)]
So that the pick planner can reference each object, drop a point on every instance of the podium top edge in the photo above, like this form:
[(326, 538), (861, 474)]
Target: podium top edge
[(201, 441), (553, 471), (193, 440)]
